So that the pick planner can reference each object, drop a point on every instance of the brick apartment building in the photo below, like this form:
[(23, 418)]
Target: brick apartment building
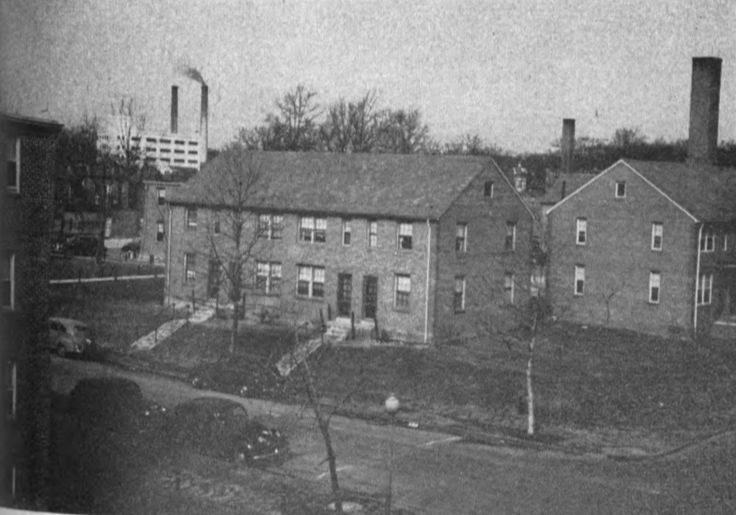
[(156, 220), (651, 246), (428, 245), (28, 147)]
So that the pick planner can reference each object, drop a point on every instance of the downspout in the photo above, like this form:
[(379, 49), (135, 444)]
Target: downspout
[(697, 281), (426, 290), (168, 260)]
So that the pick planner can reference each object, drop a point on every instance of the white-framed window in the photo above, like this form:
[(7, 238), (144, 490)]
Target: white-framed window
[(657, 234), (405, 235), (402, 287), (620, 189), (707, 240), (459, 299), (372, 233), (191, 219), (579, 279), (655, 283), (313, 230), (510, 243), (488, 189), (190, 267), (508, 287), (705, 289), (8, 281), (346, 231), (268, 277), (161, 196), (311, 281), (461, 238), (270, 226), (582, 231), (12, 155), (160, 234)]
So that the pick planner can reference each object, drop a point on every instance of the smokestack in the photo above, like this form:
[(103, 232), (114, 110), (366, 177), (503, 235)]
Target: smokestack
[(204, 115), (567, 144), (174, 109), (704, 102)]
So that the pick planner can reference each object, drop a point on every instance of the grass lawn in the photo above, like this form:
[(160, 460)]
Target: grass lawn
[(584, 379)]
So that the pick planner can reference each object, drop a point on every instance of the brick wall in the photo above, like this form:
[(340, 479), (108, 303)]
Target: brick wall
[(357, 259), (618, 257), (153, 213), (485, 262)]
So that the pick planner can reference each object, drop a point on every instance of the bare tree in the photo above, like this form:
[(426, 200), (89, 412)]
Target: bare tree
[(232, 198), (403, 132), (298, 113)]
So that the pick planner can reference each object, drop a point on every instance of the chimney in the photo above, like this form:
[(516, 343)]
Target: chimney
[(174, 109), (704, 101), (568, 144), (204, 115)]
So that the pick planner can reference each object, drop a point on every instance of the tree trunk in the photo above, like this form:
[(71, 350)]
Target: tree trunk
[(530, 389), (234, 328)]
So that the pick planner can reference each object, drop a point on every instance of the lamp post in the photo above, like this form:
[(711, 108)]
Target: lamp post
[(392, 406)]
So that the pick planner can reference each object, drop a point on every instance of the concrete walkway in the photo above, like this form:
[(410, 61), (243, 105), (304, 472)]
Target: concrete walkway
[(165, 330)]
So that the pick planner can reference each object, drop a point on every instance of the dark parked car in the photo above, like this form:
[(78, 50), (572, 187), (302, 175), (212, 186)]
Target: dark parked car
[(247, 376), (220, 428), (112, 404), (68, 336), (79, 245)]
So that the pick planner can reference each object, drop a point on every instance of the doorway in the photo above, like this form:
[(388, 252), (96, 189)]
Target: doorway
[(344, 294), (370, 296)]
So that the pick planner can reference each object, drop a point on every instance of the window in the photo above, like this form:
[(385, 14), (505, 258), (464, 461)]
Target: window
[(707, 240), (190, 267), (346, 232), (403, 291), (191, 219), (405, 235), (510, 244), (488, 189), (161, 195), (216, 225), (12, 153), (579, 279), (268, 277), (657, 232), (508, 287), (270, 227), (313, 229), (8, 281), (311, 281), (582, 231), (461, 238), (655, 279), (372, 233), (705, 288), (459, 302), (160, 230), (620, 189)]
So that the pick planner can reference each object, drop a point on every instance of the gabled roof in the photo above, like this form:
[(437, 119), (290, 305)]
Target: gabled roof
[(13, 123), (707, 193), (413, 186), (565, 184)]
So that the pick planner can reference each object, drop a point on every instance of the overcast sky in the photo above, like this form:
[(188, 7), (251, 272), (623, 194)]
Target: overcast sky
[(506, 70)]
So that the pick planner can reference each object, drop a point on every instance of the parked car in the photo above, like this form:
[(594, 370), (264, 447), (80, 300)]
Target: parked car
[(113, 404), (79, 245), (247, 376), (68, 336), (221, 429)]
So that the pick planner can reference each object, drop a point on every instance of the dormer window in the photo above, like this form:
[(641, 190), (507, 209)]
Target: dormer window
[(488, 189)]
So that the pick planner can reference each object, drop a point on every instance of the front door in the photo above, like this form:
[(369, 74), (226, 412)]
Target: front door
[(213, 279), (344, 294), (370, 296)]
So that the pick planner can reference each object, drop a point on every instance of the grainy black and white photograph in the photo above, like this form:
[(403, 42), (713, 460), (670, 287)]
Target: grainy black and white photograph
[(305, 257)]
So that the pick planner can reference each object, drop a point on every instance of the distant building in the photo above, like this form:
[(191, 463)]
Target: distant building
[(28, 147), (155, 227), (427, 247)]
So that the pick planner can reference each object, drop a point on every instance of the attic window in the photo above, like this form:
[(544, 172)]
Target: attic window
[(488, 189), (620, 189)]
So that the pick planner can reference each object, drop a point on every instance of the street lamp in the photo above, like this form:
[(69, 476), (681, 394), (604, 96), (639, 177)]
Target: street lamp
[(392, 406)]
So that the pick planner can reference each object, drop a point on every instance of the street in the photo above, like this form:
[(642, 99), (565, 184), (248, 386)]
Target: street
[(437, 473)]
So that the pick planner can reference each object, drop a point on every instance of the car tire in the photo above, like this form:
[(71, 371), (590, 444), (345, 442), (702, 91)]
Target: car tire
[(61, 350)]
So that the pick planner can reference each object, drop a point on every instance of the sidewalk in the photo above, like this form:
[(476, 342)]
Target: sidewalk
[(162, 332)]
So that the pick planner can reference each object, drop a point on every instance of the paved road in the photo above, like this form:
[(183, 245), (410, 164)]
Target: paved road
[(435, 473)]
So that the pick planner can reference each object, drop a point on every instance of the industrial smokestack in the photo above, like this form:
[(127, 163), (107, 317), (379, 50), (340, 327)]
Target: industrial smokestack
[(174, 109), (704, 103), (568, 144), (203, 122)]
